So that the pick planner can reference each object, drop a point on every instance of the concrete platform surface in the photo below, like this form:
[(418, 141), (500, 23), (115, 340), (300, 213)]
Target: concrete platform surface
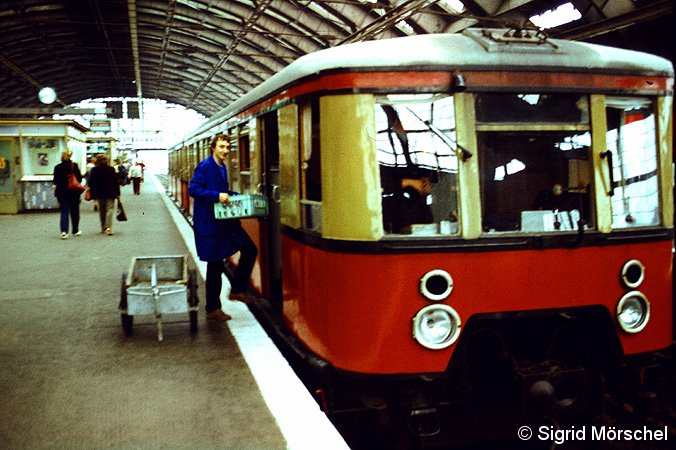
[(70, 378)]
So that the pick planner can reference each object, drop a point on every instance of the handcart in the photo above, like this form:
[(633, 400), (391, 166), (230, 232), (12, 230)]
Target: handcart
[(158, 285)]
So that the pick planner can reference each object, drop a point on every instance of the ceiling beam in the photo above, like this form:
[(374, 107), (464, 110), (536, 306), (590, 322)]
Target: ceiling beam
[(650, 12), (133, 32), (239, 37), (50, 110), (387, 20), (26, 76)]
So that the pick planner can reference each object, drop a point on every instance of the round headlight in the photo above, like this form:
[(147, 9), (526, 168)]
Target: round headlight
[(633, 273), (436, 285), (436, 326), (633, 312)]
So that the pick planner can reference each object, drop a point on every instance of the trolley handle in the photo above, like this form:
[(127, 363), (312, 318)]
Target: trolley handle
[(609, 155)]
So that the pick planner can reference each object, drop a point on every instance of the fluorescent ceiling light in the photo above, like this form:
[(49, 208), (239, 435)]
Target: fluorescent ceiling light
[(565, 13)]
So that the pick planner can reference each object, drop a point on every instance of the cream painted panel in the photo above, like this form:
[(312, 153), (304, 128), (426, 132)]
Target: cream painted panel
[(254, 157), (468, 170), (665, 130), (288, 165), (351, 194), (604, 217)]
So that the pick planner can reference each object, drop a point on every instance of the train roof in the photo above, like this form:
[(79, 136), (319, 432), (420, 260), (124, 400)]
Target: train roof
[(477, 48)]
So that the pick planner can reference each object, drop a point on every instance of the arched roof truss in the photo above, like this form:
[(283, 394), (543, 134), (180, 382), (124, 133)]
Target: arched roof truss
[(205, 54)]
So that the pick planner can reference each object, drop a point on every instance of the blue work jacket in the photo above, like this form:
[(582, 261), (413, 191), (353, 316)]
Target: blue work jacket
[(215, 239)]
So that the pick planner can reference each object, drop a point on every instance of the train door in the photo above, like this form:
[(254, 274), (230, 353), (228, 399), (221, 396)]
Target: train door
[(272, 254)]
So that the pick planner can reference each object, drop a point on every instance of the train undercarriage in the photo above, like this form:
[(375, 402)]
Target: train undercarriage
[(551, 371)]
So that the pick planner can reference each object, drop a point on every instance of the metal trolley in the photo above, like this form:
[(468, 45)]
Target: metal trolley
[(158, 285)]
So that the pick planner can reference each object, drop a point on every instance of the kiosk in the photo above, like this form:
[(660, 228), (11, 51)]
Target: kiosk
[(29, 150)]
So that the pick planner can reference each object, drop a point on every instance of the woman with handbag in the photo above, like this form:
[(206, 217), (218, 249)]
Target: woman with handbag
[(67, 179), (105, 188)]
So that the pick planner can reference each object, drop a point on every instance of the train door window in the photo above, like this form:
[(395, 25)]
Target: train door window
[(234, 161), (535, 169), (311, 187), (244, 160), (416, 147), (631, 138)]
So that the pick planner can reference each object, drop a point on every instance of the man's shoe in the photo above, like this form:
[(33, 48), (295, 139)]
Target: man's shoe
[(64, 235), (243, 297), (217, 315), (79, 233)]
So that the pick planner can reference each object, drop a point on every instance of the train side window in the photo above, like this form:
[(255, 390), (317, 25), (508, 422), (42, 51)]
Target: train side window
[(311, 186), (416, 147), (631, 137)]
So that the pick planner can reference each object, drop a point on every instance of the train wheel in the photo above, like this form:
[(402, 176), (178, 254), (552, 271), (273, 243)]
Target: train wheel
[(193, 299)]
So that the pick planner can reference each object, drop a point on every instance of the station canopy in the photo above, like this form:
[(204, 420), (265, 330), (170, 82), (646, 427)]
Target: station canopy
[(204, 54)]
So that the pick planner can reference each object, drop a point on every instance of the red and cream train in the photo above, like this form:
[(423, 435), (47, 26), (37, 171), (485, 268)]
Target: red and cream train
[(466, 232)]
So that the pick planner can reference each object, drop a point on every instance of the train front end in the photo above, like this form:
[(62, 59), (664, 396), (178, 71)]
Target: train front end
[(489, 245)]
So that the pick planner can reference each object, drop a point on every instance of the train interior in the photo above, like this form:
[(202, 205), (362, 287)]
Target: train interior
[(536, 170), (535, 181), (417, 154)]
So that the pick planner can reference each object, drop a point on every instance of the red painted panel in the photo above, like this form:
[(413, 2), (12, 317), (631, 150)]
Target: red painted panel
[(567, 80), (356, 310), (473, 79), (185, 197), (253, 229)]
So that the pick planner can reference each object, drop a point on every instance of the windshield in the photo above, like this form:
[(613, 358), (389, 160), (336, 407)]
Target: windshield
[(417, 151), (534, 181), (535, 170), (631, 140)]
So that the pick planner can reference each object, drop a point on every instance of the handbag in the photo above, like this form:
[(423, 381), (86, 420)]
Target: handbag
[(121, 216), (73, 184)]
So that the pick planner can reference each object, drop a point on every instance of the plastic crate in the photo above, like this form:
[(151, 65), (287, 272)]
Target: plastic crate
[(242, 206)]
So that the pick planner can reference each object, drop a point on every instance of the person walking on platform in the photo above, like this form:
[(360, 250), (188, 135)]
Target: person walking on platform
[(69, 199), (136, 175), (106, 189), (216, 240), (90, 165)]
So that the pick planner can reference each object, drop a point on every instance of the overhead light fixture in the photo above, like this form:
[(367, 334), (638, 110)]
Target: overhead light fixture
[(47, 95)]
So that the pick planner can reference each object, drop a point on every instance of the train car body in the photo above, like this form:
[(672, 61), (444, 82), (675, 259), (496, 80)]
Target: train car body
[(464, 231)]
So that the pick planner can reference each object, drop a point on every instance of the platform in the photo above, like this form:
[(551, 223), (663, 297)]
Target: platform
[(70, 378)]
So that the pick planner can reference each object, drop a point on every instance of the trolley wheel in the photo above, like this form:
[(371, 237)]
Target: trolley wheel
[(127, 323), (193, 299), (193, 321), (126, 320), (123, 292)]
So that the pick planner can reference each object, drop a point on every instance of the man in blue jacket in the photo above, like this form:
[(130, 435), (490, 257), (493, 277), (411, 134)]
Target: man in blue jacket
[(218, 239)]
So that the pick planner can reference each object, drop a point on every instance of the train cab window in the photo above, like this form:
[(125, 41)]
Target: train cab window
[(416, 145), (631, 139), (535, 168), (532, 108)]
